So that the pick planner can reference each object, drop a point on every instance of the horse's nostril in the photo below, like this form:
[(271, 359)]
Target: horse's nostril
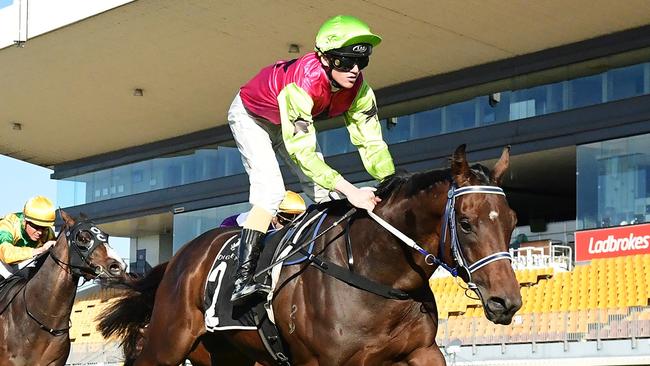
[(497, 304), (115, 268)]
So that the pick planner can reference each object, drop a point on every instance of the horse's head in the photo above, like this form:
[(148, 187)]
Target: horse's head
[(89, 254), (484, 223)]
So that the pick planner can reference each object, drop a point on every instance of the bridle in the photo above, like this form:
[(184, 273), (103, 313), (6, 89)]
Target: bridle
[(79, 263), (462, 267), (449, 219)]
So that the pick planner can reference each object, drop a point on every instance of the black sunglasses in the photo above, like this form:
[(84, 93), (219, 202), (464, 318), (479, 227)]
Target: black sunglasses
[(36, 227), (346, 63)]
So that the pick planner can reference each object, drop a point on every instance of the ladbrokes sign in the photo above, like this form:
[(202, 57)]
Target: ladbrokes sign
[(612, 242)]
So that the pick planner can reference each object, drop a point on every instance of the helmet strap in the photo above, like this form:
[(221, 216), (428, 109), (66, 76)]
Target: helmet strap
[(333, 82), (328, 71)]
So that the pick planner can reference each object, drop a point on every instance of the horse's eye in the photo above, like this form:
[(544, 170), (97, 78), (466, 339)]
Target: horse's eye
[(465, 226)]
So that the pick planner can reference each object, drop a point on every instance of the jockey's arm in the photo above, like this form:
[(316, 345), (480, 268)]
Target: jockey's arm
[(9, 253), (363, 125), (299, 136)]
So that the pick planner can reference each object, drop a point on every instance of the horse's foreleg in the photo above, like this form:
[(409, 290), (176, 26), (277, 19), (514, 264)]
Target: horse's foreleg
[(429, 356)]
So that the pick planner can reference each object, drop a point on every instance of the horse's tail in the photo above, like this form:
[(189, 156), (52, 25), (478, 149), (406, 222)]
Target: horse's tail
[(127, 316)]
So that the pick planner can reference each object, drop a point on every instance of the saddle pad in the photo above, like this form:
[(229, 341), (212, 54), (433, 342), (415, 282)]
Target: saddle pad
[(220, 314)]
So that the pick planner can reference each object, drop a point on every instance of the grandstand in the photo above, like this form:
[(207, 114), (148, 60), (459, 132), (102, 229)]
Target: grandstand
[(603, 302), (88, 347)]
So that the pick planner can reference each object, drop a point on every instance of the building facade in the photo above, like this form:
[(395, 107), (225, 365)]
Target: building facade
[(577, 118)]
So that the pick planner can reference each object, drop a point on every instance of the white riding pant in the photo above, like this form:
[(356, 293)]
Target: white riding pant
[(7, 270), (258, 142)]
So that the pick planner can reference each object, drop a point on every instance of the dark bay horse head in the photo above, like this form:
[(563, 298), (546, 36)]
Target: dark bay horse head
[(37, 308), (472, 241), (485, 224)]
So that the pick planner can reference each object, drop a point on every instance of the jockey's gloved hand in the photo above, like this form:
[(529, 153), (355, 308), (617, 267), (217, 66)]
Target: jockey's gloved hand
[(44, 248), (360, 198)]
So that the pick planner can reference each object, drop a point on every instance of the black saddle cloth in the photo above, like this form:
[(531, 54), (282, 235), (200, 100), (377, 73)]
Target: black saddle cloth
[(220, 314)]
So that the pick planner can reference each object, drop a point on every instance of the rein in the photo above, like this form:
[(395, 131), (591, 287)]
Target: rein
[(52, 331), (449, 220)]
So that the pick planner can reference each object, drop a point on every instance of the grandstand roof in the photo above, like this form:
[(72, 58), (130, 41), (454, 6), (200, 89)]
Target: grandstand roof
[(189, 57)]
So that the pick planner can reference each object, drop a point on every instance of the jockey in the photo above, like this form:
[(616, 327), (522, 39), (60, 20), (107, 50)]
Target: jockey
[(26, 234), (275, 111), (292, 205)]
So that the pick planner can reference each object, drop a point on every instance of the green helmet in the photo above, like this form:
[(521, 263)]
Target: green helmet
[(344, 30)]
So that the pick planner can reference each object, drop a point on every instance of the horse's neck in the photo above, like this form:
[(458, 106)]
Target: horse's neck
[(419, 218), (52, 289)]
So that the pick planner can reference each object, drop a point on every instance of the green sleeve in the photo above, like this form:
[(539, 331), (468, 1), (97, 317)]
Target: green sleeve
[(299, 136), (6, 237), (365, 133)]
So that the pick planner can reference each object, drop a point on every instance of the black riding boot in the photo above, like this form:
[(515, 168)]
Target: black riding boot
[(250, 246)]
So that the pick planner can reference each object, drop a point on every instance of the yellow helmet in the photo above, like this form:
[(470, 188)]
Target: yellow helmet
[(40, 211), (292, 204)]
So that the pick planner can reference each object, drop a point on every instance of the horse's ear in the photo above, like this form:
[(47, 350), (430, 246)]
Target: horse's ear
[(69, 221), (83, 216), (501, 166), (460, 170)]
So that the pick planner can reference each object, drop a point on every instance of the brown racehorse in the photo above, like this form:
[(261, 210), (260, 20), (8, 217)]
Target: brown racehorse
[(35, 313), (324, 321)]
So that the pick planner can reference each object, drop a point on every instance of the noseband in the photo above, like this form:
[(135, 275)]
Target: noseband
[(449, 220)]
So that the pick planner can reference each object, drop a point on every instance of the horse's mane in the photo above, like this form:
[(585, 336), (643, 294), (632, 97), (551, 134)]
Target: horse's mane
[(411, 183)]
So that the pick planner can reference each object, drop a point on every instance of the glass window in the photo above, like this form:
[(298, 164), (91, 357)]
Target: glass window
[(625, 82), (334, 142), (459, 116), (585, 91), (189, 225), (427, 123), (174, 170), (613, 183), (398, 129), (498, 112), (528, 103)]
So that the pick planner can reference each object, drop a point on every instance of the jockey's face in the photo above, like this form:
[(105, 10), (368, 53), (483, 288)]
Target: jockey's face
[(345, 79), (278, 221), (34, 231)]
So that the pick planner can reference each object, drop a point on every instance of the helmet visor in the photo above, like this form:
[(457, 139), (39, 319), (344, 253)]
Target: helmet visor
[(346, 63)]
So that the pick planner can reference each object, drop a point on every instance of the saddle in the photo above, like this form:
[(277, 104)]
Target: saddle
[(9, 288)]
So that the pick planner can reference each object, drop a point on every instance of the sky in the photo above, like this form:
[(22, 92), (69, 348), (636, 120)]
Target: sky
[(45, 15), (22, 180)]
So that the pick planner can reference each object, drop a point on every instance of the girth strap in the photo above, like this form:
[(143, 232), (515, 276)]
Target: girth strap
[(270, 336), (356, 280)]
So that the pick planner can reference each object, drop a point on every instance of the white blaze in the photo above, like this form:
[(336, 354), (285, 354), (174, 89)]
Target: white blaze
[(113, 254), (493, 215)]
